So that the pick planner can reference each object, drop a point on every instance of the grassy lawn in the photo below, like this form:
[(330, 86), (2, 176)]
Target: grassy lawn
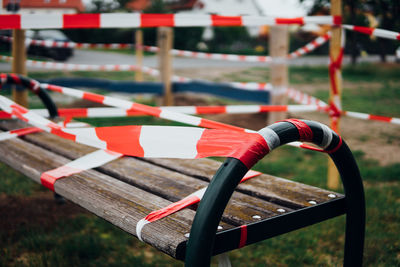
[(77, 238)]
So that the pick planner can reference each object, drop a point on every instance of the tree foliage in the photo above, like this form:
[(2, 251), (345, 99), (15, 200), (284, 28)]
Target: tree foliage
[(356, 12)]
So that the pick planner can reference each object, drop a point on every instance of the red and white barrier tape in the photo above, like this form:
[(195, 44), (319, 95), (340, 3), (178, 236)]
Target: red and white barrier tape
[(179, 205), (374, 32), (137, 20), (371, 117), (305, 99), (310, 46), (232, 57), (128, 105), (63, 44), (154, 111), (335, 76), (117, 112), (193, 110), (125, 67), (155, 141), (89, 161), (83, 67), (18, 132), (176, 52)]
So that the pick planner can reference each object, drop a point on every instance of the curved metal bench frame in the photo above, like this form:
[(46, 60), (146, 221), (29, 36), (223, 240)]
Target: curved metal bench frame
[(226, 179)]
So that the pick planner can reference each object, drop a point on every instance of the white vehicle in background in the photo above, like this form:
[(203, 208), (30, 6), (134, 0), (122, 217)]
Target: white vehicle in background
[(398, 55)]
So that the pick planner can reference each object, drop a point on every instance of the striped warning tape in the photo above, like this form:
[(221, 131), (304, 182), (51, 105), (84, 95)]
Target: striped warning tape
[(63, 44), (176, 52), (136, 20), (18, 132), (373, 32), (310, 46), (128, 105), (179, 205), (155, 141), (123, 107), (193, 110), (335, 75), (87, 162), (125, 67), (232, 57), (305, 99), (371, 117), (154, 111), (83, 67), (45, 112), (309, 104)]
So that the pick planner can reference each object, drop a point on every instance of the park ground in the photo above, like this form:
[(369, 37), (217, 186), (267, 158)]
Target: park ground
[(35, 231)]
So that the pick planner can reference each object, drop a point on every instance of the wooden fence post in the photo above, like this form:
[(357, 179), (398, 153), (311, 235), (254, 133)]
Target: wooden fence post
[(278, 48), (165, 39), (139, 54), (334, 51), (18, 65)]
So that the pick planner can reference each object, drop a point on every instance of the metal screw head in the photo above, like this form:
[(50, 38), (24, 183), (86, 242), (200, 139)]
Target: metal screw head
[(281, 210), (312, 202)]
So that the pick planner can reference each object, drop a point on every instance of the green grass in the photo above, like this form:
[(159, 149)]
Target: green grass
[(86, 240)]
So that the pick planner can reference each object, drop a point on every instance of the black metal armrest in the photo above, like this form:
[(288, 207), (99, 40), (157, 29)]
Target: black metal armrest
[(224, 182), (33, 86)]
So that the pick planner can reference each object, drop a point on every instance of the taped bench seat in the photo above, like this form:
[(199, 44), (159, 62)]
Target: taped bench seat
[(127, 189)]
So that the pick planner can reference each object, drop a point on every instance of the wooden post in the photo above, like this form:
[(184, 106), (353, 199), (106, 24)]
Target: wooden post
[(278, 48), (18, 65), (139, 54), (165, 39), (334, 51)]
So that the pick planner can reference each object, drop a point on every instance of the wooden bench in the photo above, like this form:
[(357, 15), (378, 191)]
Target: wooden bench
[(127, 189)]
